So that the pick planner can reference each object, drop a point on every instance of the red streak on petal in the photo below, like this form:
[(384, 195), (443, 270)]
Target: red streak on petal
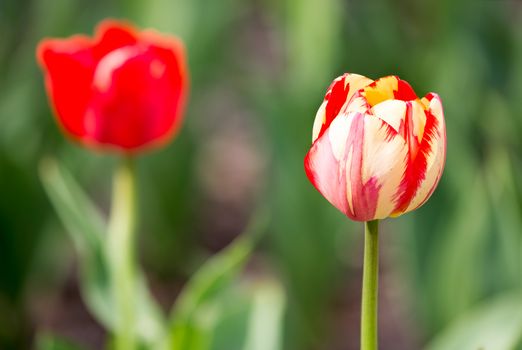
[(409, 136), (429, 96), (416, 164), (335, 97), (404, 91)]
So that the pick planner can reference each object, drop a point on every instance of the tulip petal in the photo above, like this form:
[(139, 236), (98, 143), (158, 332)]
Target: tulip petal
[(381, 90), (392, 112), (436, 157), (68, 63), (325, 164), (112, 35), (319, 121), (434, 104), (357, 165), (412, 191), (404, 91), (388, 88), (137, 95), (337, 97), (384, 159)]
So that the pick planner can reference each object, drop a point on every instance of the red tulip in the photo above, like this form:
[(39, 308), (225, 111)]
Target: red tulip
[(378, 150), (122, 90)]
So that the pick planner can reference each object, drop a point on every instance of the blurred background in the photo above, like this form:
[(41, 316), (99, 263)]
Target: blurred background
[(259, 70)]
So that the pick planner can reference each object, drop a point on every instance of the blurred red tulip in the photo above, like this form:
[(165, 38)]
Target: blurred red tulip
[(378, 150), (122, 90)]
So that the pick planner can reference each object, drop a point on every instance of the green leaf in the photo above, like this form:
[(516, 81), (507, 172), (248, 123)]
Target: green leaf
[(50, 342), (250, 315), (195, 313), (495, 325), (266, 318), (87, 229), (463, 244)]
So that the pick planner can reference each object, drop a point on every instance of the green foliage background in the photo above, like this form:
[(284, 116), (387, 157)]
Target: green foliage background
[(259, 70)]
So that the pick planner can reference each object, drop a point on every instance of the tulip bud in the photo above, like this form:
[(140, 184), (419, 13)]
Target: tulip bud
[(378, 150), (122, 90)]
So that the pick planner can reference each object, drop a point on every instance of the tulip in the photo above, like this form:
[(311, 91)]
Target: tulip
[(378, 150), (122, 90)]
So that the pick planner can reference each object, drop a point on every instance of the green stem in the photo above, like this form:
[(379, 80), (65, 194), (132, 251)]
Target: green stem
[(121, 254), (370, 286)]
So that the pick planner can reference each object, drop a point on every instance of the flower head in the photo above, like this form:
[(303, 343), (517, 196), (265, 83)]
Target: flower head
[(378, 150), (122, 90)]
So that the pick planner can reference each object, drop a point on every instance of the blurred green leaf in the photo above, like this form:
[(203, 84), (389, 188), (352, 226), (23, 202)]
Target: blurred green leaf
[(325, 34), (250, 315), (87, 229), (502, 191), (265, 324), (51, 342), (494, 325), (194, 315), (456, 257)]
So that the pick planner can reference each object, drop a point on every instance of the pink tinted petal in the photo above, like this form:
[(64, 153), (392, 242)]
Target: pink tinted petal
[(325, 164), (356, 159)]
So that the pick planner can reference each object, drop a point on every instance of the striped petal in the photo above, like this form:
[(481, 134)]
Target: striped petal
[(436, 154), (356, 165), (425, 135), (385, 157), (336, 99)]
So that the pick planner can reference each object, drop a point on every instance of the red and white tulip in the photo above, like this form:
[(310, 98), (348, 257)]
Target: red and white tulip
[(378, 150)]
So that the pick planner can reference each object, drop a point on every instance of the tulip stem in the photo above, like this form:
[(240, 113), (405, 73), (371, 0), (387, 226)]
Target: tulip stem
[(121, 254), (370, 285)]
